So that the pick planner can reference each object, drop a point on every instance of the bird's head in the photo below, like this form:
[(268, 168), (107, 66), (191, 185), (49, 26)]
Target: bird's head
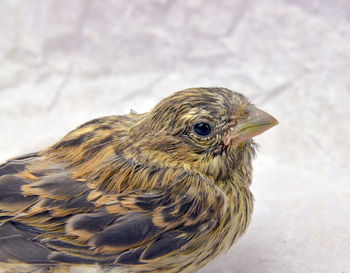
[(202, 128)]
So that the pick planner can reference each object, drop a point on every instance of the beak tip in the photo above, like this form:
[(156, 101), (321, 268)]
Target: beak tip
[(266, 117), (274, 121)]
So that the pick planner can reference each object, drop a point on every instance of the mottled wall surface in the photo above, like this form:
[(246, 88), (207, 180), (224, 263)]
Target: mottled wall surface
[(65, 62)]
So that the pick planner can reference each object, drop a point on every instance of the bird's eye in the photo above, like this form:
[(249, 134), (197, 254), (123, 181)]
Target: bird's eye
[(202, 128)]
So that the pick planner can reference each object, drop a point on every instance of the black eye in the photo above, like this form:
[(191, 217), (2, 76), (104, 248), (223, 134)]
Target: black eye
[(202, 128)]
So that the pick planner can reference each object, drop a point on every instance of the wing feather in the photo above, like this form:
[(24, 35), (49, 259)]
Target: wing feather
[(65, 220)]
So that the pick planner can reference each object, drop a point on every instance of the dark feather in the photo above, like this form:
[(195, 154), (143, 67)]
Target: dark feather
[(17, 165), (11, 168), (165, 244), (131, 257), (60, 186), (129, 231), (70, 259), (11, 195), (91, 222), (15, 245)]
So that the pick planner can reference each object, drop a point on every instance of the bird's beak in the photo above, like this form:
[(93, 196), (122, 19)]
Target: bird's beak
[(254, 124)]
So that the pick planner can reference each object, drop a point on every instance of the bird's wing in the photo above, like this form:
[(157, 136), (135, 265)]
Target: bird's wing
[(50, 218)]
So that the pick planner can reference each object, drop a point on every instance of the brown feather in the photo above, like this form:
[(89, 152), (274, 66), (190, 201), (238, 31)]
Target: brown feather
[(142, 191)]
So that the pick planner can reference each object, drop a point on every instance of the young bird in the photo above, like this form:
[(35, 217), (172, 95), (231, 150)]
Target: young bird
[(164, 191)]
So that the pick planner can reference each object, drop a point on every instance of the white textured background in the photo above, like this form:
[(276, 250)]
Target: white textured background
[(65, 62)]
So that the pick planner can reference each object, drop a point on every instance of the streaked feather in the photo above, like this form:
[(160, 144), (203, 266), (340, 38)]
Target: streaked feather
[(136, 193)]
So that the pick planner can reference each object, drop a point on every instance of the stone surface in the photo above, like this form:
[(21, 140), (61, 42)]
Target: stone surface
[(65, 62)]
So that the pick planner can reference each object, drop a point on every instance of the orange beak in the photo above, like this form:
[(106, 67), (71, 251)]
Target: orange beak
[(254, 124)]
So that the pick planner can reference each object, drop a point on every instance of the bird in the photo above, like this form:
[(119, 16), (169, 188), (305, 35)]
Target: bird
[(162, 191)]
